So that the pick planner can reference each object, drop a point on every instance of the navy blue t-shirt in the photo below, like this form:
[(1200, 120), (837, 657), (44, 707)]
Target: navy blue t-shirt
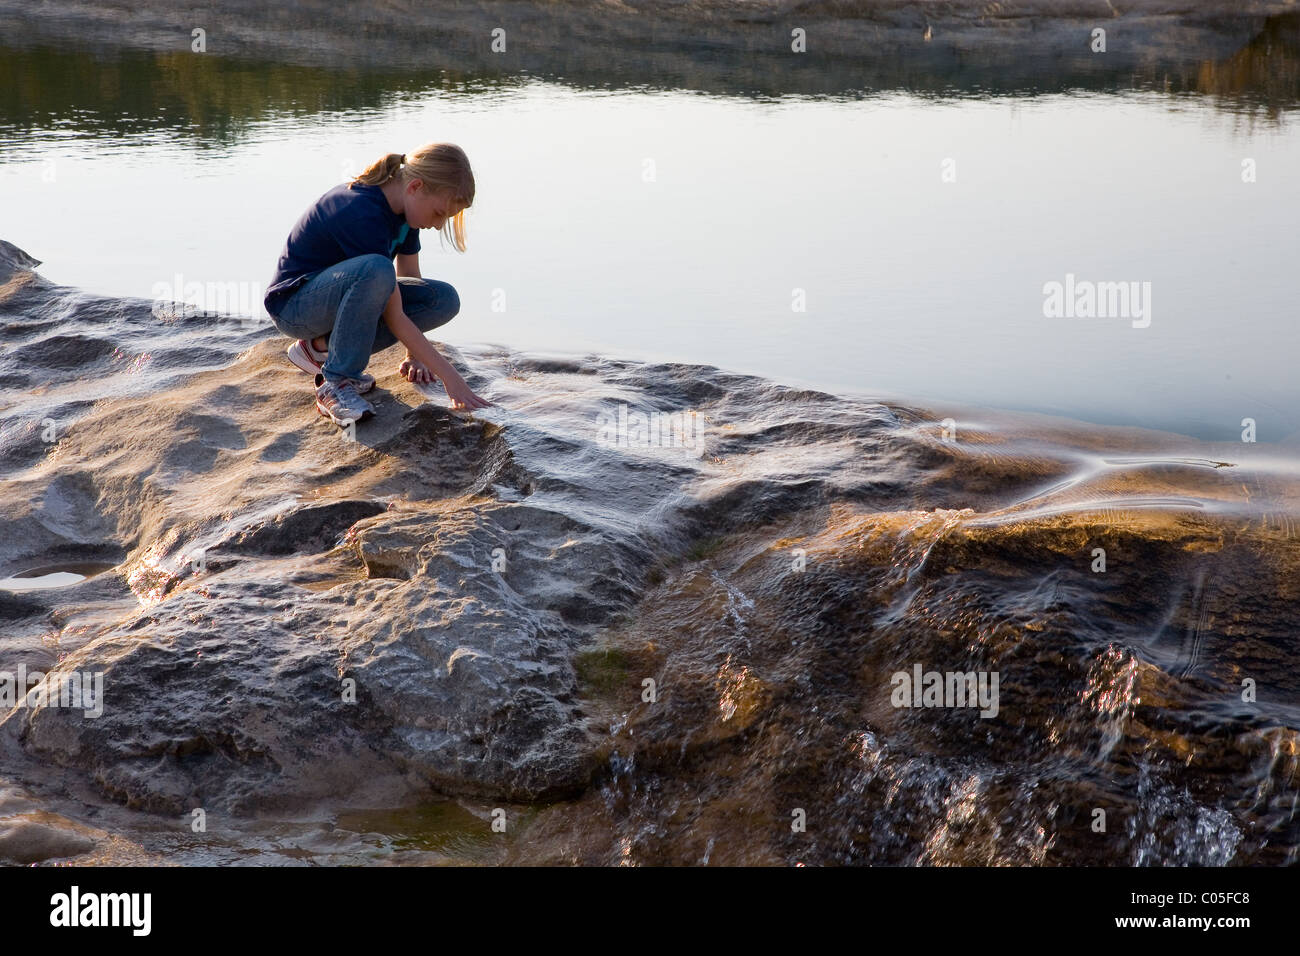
[(342, 224)]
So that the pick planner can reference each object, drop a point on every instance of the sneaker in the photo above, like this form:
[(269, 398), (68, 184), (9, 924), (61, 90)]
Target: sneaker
[(340, 403), (305, 356)]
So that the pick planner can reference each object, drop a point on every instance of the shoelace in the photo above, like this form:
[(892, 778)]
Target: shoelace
[(347, 392)]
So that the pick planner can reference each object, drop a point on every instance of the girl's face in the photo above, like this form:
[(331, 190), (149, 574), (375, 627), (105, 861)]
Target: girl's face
[(426, 209)]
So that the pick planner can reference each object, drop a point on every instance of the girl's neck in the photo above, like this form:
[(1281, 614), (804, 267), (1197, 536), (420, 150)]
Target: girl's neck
[(393, 193)]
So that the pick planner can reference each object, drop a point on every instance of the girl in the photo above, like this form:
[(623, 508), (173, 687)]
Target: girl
[(336, 289)]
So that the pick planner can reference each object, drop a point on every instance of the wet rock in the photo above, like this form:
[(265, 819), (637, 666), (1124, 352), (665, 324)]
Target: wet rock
[(16, 605), (473, 606), (29, 834), (212, 701), (310, 529), (26, 839), (234, 693)]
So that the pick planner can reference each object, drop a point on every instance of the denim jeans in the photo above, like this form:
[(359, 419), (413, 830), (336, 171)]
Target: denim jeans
[(346, 302)]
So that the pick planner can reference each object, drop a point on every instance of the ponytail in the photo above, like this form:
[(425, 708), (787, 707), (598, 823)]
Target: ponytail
[(380, 171)]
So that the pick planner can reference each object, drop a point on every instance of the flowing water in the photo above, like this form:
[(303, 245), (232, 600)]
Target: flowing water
[(906, 465)]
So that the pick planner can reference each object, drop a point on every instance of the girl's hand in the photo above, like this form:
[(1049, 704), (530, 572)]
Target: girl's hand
[(461, 395), (415, 371)]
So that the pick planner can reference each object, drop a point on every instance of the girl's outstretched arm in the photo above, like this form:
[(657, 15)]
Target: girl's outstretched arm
[(422, 350)]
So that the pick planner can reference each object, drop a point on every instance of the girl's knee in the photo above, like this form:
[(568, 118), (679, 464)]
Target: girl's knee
[(377, 270), (445, 297), (430, 302)]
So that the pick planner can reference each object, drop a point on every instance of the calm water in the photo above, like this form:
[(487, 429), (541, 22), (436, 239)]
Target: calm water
[(679, 226)]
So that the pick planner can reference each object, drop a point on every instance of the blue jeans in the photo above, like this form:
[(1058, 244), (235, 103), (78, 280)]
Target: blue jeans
[(346, 302)]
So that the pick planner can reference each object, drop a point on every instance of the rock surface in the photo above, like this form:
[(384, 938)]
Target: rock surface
[(650, 651)]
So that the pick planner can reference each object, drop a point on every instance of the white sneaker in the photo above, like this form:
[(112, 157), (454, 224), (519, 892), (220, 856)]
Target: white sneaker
[(305, 356), (340, 403)]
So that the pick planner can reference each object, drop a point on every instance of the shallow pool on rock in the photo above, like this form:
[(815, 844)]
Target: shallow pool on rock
[(54, 576)]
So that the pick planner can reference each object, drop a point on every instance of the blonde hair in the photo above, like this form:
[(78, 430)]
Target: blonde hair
[(438, 166)]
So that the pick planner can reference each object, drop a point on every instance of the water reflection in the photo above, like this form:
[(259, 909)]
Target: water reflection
[(66, 94), (66, 90)]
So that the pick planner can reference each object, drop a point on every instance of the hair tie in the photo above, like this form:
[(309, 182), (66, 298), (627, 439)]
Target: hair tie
[(403, 159)]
